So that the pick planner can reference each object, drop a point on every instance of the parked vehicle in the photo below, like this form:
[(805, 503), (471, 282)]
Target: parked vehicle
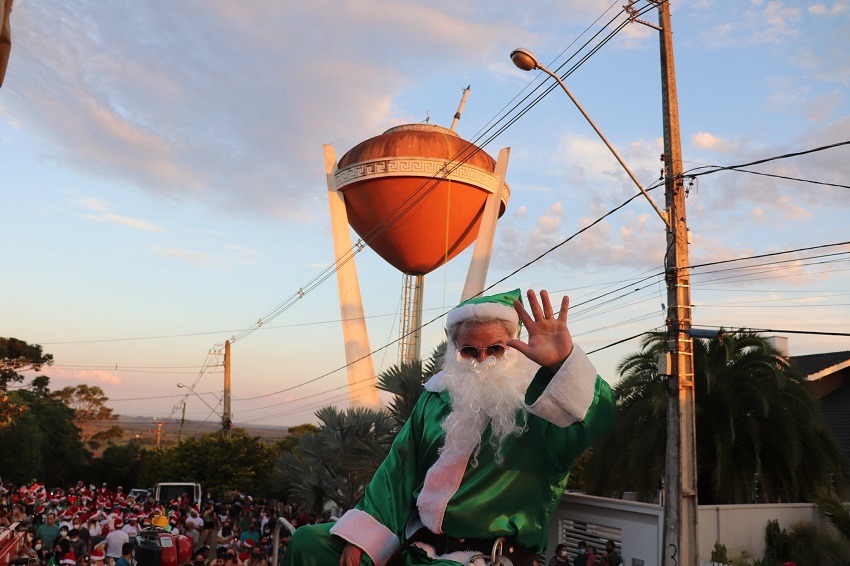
[(167, 491), (139, 494)]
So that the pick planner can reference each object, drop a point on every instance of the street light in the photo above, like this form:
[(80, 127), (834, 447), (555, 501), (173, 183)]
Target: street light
[(211, 408), (525, 60), (680, 483)]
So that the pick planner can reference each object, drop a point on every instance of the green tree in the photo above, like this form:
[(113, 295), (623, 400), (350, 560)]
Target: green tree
[(17, 356), (760, 435), (119, 465), (219, 463), (336, 462), (44, 442), (293, 437), (406, 382), (91, 415)]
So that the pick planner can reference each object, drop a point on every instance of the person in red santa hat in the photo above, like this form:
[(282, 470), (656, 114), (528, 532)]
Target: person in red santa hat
[(97, 557), (115, 540)]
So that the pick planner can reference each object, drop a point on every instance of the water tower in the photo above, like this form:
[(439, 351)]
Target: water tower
[(418, 195)]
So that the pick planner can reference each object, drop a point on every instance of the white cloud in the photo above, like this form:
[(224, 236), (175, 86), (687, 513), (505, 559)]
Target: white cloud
[(242, 249), (763, 23), (820, 108), (633, 241), (80, 376), (240, 116), (834, 9), (104, 215), (203, 260), (706, 140)]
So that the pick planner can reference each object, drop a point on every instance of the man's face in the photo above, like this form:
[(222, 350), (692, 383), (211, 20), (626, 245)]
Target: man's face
[(480, 336), (51, 518)]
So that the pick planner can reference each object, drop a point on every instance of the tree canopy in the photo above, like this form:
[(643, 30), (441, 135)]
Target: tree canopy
[(218, 462), (760, 434), (337, 461), (43, 442), (17, 356), (91, 415)]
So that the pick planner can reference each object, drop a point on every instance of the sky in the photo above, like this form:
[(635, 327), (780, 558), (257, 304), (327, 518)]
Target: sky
[(163, 188)]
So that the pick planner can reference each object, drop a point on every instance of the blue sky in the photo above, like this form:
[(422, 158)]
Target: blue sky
[(163, 184)]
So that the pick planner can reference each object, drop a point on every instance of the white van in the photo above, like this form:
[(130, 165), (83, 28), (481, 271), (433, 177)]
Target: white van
[(167, 491)]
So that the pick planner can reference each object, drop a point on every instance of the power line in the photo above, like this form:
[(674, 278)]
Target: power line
[(787, 178), (718, 168), (629, 283), (425, 189), (770, 254)]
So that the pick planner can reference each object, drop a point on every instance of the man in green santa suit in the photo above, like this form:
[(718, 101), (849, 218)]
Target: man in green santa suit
[(485, 453)]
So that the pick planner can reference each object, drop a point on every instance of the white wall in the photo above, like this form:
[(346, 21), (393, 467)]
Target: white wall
[(742, 527), (641, 525)]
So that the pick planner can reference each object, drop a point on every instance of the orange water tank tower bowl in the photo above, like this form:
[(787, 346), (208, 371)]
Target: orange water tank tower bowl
[(416, 193)]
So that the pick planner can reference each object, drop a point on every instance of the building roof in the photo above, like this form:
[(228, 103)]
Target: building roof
[(833, 407), (815, 366)]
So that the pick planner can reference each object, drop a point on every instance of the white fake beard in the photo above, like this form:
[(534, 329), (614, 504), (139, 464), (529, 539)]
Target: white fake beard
[(484, 393)]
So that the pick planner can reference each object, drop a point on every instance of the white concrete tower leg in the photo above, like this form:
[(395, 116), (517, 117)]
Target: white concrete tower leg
[(362, 390)]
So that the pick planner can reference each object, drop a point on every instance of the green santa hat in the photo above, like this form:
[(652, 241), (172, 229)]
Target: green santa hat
[(499, 306)]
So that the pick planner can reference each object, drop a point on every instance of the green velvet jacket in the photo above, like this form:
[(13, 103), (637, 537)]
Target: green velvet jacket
[(566, 413)]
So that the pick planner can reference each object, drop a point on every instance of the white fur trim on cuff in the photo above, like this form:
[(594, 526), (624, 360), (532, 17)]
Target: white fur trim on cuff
[(570, 393), (363, 530)]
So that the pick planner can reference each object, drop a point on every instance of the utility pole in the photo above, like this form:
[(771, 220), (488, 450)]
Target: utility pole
[(680, 485), (159, 433), (226, 421), (182, 422)]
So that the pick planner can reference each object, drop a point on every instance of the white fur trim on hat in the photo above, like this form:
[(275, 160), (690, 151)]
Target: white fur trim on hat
[(494, 310)]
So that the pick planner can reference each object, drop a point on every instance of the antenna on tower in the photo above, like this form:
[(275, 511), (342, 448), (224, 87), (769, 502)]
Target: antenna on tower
[(460, 108)]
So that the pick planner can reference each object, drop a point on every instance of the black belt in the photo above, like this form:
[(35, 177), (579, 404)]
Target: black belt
[(445, 544)]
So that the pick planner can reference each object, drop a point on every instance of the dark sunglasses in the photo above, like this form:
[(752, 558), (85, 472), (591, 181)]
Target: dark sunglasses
[(495, 350)]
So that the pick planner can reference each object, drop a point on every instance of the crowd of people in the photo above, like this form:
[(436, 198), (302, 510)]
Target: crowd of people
[(587, 555), (90, 526)]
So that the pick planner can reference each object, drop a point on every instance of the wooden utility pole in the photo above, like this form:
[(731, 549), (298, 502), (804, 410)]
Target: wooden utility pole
[(182, 422), (680, 485), (159, 433), (226, 420)]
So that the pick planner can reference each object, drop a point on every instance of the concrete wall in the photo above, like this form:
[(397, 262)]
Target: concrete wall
[(639, 527), (742, 527)]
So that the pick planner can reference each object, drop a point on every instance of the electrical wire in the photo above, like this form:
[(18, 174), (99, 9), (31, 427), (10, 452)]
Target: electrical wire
[(719, 168), (416, 196), (320, 278)]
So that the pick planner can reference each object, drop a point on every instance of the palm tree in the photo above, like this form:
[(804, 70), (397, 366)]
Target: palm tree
[(405, 381), (336, 462), (760, 435)]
